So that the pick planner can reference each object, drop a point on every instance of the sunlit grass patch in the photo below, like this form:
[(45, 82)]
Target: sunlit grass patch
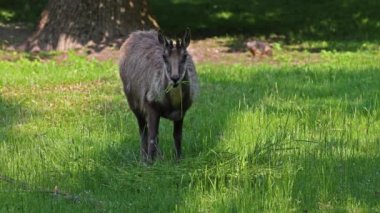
[(283, 137)]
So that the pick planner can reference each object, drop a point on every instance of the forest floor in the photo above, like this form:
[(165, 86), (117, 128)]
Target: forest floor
[(210, 50), (220, 50)]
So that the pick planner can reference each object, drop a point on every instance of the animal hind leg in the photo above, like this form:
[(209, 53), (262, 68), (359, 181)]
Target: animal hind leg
[(143, 135)]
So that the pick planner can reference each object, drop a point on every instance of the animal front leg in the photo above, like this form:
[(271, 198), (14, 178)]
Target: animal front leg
[(143, 134), (177, 135), (152, 122), (143, 138)]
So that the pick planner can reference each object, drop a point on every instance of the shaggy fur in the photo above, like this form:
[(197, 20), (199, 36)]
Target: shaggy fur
[(148, 85)]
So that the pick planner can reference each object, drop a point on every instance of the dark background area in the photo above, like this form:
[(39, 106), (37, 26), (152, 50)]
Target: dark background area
[(296, 19), (351, 20), (21, 10)]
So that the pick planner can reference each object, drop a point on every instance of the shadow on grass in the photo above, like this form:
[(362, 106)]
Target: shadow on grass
[(113, 175), (353, 91), (358, 86), (11, 114), (337, 183), (238, 44), (13, 34), (165, 185)]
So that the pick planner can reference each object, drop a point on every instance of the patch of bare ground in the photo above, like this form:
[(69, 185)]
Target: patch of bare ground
[(12, 35), (209, 50), (216, 50)]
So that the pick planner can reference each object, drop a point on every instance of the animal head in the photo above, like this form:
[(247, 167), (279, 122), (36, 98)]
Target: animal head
[(175, 57)]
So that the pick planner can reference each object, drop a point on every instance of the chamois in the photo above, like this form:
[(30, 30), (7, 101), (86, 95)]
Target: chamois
[(159, 80)]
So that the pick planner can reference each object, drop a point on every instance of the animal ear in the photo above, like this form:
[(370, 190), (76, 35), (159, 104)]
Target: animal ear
[(161, 39), (170, 42), (186, 38), (177, 43)]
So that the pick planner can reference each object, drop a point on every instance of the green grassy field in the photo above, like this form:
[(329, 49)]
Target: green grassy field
[(294, 133), (286, 137)]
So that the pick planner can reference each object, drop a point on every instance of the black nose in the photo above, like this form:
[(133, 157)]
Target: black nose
[(175, 78)]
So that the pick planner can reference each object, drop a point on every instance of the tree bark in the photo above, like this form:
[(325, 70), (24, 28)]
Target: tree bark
[(67, 24)]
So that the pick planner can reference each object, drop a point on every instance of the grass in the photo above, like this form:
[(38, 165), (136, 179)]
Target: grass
[(285, 137), (298, 132)]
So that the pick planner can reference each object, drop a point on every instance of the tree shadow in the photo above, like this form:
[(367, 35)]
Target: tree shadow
[(21, 10), (201, 137), (348, 23), (306, 19), (11, 114), (322, 178), (336, 182), (237, 44), (13, 34), (163, 185), (347, 26), (114, 171), (346, 84), (323, 20)]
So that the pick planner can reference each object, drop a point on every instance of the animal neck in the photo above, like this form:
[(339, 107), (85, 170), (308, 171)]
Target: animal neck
[(176, 96)]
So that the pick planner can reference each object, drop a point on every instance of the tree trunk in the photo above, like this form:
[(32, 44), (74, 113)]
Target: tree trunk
[(67, 24)]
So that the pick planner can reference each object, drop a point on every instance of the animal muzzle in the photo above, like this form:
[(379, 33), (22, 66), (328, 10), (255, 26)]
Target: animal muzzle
[(175, 79)]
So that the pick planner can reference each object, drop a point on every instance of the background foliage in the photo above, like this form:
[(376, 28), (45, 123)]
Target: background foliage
[(297, 19)]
